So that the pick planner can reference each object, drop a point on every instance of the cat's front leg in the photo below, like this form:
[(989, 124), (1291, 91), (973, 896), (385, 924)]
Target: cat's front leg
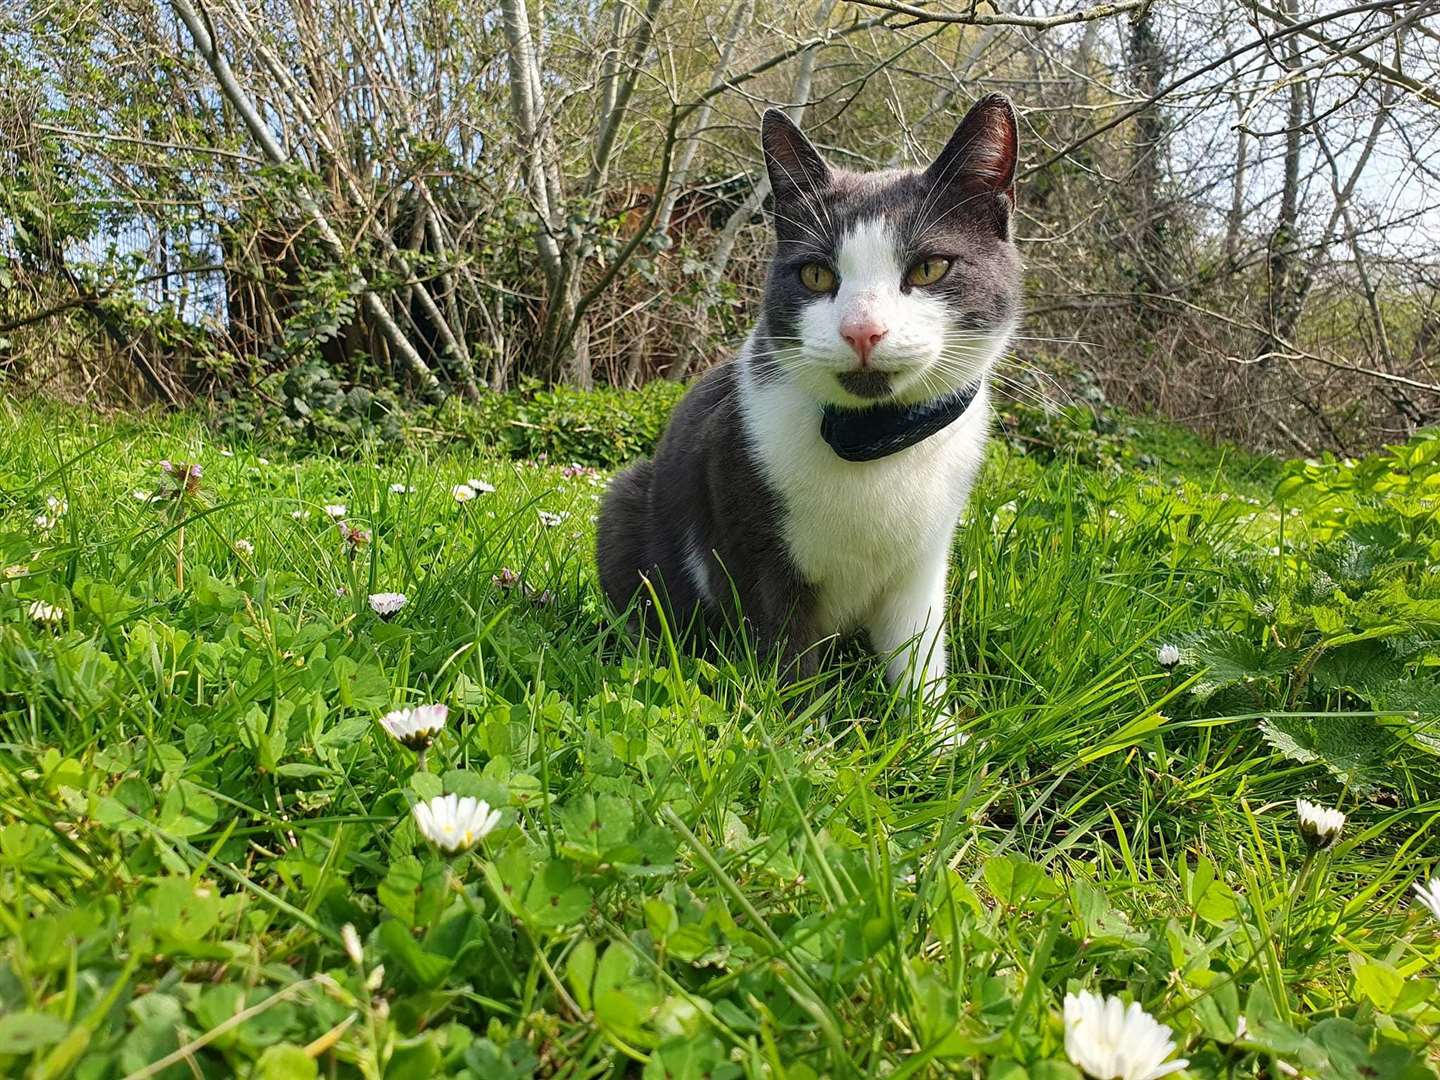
[(908, 625)]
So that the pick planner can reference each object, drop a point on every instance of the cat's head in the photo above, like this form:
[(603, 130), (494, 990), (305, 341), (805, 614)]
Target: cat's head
[(900, 285)]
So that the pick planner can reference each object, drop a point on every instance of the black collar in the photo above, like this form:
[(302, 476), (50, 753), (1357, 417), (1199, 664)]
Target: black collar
[(882, 430)]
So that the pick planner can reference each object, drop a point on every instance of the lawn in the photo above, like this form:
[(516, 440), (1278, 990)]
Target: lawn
[(694, 872)]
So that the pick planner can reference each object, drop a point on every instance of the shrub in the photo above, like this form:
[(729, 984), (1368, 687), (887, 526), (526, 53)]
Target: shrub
[(603, 427)]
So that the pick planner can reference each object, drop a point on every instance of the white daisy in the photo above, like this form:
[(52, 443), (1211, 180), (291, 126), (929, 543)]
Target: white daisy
[(1430, 896), (351, 940), (387, 604), (245, 547), (1319, 825), (416, 727), (1113, 1041), (550, 520), (462, 493), (263, 460), (45, 614), (299, 515), (480, 486), (455, 824), (1168, 655), (56, 506), (46, 522), (335, 511), (401, 489)]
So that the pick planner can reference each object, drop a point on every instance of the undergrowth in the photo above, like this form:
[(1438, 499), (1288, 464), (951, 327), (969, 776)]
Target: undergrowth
[(696, 873)]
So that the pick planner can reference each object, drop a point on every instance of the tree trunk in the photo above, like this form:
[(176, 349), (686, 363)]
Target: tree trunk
[(1283, 306), (1149, 238)]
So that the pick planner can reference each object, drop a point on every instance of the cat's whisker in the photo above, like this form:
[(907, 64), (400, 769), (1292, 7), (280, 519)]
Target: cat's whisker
[(1023, 390)]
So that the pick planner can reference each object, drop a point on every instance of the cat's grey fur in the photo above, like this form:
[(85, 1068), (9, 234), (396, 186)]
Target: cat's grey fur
[(703, 522)]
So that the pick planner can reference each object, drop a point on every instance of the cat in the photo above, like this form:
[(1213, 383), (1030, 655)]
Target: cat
[(817, 478)]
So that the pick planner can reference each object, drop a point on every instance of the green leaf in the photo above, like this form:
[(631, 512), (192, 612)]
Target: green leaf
[(487, 1061), (1353, 748), (285, 1061), (1014, 879), (553, 899), (26, 1031), (414, 1059), (187, 810), (580, 971), (1229, 659), (412, 891), (359, 686), (1377, 980), (426, 968)]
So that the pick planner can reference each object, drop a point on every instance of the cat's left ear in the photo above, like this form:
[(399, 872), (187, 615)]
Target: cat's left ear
[(796, 168), (982, 152)]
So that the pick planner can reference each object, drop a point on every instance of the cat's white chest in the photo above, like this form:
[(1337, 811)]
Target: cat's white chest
[(854, 529)]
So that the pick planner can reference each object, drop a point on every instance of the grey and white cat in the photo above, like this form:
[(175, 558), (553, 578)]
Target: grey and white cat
[(818, 478)]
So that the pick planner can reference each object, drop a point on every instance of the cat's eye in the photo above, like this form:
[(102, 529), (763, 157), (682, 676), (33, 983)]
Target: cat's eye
[(817, 277), (927, 271)]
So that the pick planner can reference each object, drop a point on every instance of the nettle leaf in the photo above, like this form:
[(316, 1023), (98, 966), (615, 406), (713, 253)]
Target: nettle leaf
[(1417, 702), (1230, 659), (1355, 749), (1358, 668)]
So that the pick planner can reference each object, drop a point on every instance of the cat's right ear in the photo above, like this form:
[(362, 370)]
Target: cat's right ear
[(983, 151), (796, 168)]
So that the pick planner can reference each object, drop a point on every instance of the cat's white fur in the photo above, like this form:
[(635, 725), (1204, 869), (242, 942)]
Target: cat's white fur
[(874, 536)]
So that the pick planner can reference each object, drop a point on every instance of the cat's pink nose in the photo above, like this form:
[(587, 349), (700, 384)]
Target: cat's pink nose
[(863, 335)]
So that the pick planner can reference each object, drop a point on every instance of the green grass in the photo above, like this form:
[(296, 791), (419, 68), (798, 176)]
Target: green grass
[(696, 873)]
